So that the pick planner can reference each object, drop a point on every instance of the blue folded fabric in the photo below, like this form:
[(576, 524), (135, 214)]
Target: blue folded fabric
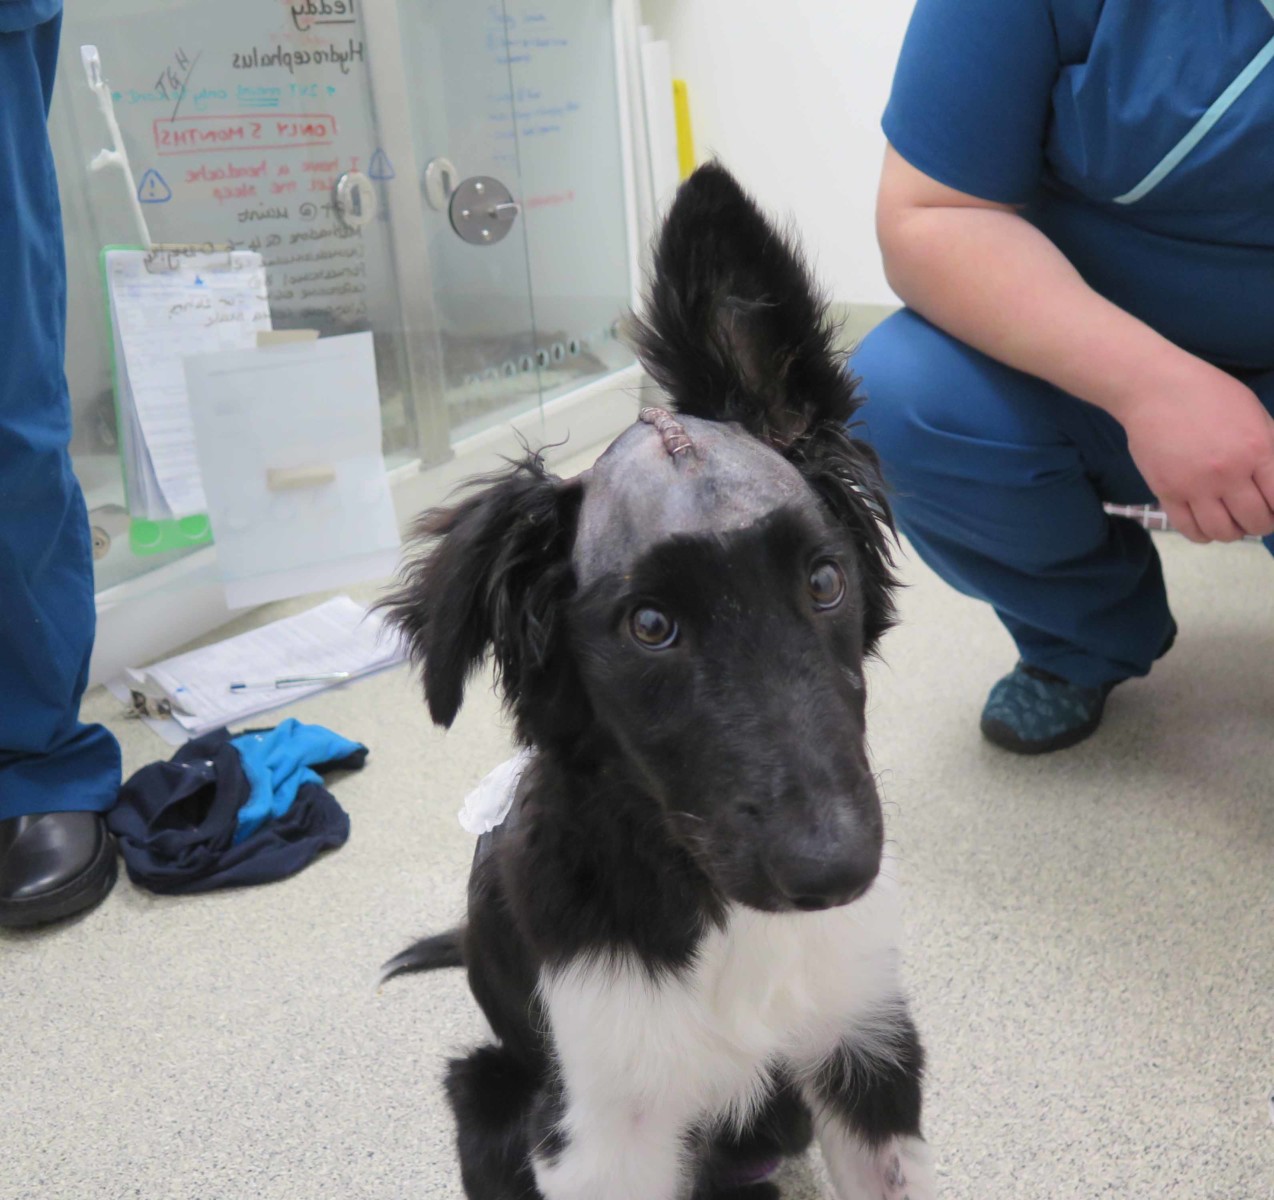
[(177, 821), (278, 761)]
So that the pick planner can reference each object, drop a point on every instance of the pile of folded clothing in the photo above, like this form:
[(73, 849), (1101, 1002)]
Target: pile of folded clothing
[(226, 811)]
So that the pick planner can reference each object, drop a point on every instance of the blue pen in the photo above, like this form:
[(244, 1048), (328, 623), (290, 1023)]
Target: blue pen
[(292, 681)]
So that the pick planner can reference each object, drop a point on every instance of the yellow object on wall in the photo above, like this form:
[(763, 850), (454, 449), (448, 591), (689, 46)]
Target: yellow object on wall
[(685, 134)]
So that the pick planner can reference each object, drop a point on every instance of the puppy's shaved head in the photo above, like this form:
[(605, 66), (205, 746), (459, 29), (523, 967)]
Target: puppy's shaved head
[(647, 488)]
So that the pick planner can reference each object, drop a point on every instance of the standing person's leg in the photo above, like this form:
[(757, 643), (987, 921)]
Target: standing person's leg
[(56, 774), (998, 479)]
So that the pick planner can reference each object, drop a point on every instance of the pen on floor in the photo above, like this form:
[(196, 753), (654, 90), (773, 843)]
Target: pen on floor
[(291, 681)]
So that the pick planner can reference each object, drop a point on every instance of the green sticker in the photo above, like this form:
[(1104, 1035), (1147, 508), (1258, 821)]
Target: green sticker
[(158, 537)]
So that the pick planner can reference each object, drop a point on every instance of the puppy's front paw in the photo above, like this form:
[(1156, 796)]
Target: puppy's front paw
[(894, 1178), (905, 1171)]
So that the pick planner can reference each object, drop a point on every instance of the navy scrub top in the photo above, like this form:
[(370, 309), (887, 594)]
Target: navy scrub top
[(17, 15), (1137, 134)]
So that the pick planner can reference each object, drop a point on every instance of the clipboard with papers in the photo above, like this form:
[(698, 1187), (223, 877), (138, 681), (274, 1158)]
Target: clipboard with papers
[(163, 306)]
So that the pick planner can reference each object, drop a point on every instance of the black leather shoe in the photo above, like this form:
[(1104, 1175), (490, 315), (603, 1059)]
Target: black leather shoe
[(53, 865)]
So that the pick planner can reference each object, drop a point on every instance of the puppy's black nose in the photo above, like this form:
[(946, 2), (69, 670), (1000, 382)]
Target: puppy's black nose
[(815, 876)]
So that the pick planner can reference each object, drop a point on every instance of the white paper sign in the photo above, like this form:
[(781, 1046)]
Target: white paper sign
[(308, 411)]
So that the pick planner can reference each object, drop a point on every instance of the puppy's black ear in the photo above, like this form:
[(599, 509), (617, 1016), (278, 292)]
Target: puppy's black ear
[(735, 329), (492, 572)]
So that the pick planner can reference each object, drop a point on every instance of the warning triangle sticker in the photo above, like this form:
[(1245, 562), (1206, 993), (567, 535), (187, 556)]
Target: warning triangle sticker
[(153, 189)]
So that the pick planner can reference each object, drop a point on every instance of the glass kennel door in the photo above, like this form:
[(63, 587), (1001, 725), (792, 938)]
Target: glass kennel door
[(520, 99), (450, 175), (286, 127)]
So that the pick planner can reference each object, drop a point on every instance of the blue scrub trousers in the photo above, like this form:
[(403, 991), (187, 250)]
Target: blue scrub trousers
[(997, 479), (49, 761)]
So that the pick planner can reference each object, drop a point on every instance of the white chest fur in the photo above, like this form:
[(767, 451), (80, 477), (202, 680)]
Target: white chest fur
[(697, 1045)]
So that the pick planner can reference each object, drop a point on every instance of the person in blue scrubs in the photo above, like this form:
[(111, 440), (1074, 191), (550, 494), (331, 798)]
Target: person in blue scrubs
[(56, 775), (1077, 209)]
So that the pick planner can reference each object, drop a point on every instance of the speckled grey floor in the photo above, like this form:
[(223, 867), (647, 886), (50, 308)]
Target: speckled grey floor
[(1090, 941)]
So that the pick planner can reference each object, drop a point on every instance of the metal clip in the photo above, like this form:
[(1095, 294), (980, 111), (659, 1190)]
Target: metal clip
[(148, 706), (150, 698)]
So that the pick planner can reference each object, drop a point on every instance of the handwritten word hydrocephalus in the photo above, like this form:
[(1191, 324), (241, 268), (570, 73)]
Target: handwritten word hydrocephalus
[(322, 12), (264, 56)]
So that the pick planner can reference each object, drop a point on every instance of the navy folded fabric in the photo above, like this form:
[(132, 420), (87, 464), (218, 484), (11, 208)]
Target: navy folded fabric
[(176, 821)]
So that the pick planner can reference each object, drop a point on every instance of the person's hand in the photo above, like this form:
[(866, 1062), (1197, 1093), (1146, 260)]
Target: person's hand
[(1205, 445)]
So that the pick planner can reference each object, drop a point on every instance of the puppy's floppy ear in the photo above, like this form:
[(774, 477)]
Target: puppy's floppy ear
[(492, 571), (735, 329)]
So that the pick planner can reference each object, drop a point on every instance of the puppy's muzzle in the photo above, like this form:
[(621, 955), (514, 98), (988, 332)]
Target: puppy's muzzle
[(821, 868)]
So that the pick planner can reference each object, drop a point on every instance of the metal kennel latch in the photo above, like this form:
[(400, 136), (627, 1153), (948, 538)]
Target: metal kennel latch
[(482, 210)]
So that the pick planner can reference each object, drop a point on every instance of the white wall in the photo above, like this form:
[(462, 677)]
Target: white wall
[(788, 94)]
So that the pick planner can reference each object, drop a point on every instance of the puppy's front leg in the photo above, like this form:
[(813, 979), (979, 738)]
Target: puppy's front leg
[(612, 1152), (627, 1090), (867, 1118)]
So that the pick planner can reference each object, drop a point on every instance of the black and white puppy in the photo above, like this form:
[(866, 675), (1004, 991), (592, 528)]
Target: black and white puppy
[(681, 934)]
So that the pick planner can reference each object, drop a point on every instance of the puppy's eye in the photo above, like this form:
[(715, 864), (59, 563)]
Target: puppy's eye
[(827, 584), (653, 629)]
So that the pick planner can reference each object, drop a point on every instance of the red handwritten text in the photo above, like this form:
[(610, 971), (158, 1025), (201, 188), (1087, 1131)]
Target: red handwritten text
[(195, 135)]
